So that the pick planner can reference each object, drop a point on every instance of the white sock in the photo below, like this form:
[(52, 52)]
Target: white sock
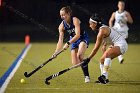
[(120, 57), (107, 64), (101, 68)]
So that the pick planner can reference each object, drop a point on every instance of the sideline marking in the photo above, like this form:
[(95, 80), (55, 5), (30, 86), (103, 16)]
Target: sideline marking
[(5, 79)]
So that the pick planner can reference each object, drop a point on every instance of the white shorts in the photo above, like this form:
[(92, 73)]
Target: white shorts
[(124, 34), (123, 31), (123, 46)]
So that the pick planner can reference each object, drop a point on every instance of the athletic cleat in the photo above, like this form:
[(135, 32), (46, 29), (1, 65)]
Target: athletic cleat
[(107, 81), (97, 81), (87, 79), (102, 79), (121, 62)]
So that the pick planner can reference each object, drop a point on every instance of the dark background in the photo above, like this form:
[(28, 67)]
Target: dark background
[(40, 18)]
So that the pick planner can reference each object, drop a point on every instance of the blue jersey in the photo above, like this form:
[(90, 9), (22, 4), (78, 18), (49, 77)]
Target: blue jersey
[(71, 30)]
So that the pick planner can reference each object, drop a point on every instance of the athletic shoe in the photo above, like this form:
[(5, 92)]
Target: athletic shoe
[(107, 81), (102, 79), (87, 79), (97, 81), (121, 61)]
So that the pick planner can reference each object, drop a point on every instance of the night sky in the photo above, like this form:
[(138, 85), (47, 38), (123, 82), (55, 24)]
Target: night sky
[(37, 16)]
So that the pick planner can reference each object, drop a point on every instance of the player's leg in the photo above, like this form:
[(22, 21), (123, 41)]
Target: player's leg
[(76, 60), (103, 49), (102, 66), (109, 54), (102, 63), (120, 57), (80, 55), (74, 56)]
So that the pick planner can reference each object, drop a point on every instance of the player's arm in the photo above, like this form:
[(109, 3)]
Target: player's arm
[(129, 18), (76, 23), (61, 37), (98, 43), (111, 20)]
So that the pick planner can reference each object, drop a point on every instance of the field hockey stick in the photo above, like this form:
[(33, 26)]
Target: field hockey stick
[(43, 64), (61, 72)]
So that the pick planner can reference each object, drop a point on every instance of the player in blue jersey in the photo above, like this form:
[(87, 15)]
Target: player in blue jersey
[(78, 39)]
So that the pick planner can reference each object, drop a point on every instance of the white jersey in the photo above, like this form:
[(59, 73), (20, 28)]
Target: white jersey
[(117, 39), (120, 21)]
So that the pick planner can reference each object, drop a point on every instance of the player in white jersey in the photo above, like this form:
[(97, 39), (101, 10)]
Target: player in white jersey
[(106, 33), (121, 17)]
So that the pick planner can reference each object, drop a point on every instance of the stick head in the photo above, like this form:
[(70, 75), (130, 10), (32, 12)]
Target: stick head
[(46, 82), (25, 74)]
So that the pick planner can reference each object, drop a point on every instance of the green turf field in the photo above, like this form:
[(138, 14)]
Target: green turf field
[(124, 78)]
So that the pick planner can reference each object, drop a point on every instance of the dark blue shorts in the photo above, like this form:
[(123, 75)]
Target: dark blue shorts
[(81, 39)]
